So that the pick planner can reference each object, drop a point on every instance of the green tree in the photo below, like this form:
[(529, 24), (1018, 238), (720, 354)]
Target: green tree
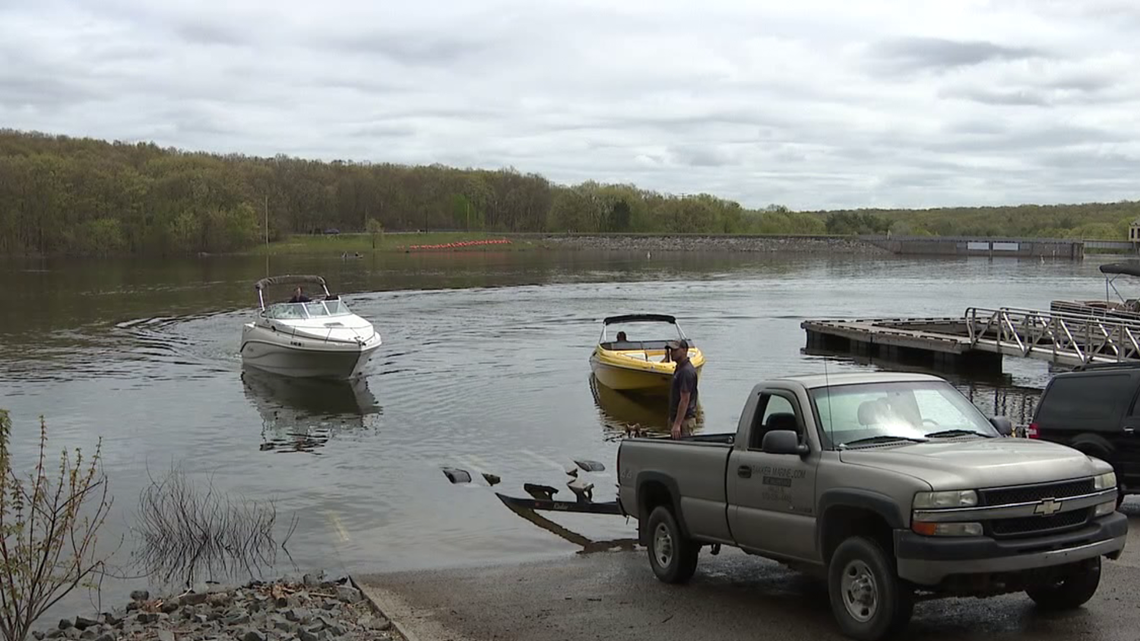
[(374, 228), (81, 196)]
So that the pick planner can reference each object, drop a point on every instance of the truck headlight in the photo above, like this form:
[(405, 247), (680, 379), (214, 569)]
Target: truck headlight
[(947, 529), (1105, 481), (938, 500)]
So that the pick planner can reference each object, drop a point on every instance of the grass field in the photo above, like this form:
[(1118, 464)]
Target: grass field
[(363, 243)]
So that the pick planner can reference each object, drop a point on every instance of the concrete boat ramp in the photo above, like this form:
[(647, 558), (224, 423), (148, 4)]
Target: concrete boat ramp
[(982, 337), (613, 596)]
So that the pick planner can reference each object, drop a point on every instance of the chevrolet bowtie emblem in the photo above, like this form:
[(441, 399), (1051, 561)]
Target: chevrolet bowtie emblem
[(1048, 507)]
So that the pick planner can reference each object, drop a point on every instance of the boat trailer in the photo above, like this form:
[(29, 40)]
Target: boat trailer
[(542, 496)]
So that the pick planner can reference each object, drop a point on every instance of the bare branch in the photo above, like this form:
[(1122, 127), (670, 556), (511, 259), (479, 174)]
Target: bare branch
[(48, 527), (188, 531)]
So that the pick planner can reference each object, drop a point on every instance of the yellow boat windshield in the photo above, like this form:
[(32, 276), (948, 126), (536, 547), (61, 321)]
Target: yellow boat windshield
[(640, 334)]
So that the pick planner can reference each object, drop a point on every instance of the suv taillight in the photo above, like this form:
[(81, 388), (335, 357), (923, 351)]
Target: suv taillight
[(1031, 431)]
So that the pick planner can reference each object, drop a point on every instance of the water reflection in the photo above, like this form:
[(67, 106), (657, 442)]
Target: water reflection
[(621, 413), (299, 415)]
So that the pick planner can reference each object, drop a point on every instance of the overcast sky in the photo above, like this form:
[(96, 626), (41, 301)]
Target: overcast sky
[(807, 103)]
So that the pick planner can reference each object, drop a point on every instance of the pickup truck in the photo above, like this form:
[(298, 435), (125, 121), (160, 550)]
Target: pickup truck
[(892, 487)]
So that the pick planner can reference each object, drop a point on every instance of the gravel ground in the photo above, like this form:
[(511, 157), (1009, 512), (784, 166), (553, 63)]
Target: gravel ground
[(308, 610)]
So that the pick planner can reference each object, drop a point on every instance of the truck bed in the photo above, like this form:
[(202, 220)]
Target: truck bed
[(695, 464)]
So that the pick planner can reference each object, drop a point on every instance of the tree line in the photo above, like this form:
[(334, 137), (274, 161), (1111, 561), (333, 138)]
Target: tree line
[(80, 196), (1090, 221)]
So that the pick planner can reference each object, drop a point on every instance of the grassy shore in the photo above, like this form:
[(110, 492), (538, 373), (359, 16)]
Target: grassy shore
[(389, 242)]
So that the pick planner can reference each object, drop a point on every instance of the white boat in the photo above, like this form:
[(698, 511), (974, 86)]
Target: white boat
[(319, 338)]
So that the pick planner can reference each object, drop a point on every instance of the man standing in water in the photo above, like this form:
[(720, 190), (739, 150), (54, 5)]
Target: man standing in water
[(683, 391)]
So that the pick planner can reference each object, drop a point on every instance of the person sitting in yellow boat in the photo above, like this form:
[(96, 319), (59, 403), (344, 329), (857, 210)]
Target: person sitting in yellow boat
[(621, 338)]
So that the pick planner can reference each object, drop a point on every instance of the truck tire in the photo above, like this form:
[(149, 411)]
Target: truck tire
[(1071, 593), (672, 556), (868, 600)]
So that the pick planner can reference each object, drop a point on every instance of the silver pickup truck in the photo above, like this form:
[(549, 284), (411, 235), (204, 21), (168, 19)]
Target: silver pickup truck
[(893, 487)]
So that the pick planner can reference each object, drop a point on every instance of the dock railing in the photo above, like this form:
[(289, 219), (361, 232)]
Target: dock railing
[(1066, 336)]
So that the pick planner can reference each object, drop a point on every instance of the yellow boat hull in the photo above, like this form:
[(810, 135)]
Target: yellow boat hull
[(638, 371)]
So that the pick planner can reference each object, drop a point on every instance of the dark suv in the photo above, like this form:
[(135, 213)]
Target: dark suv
[(1093, 409)]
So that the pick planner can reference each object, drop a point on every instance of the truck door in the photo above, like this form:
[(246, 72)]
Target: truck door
[(771, 497)]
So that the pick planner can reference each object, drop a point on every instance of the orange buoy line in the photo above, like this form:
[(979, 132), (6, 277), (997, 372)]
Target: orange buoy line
[(460, 244)]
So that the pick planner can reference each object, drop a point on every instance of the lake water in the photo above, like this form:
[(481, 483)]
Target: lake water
[(484, 366)]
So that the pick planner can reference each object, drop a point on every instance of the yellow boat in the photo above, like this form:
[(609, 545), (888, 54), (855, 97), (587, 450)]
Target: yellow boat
[(638, 364)]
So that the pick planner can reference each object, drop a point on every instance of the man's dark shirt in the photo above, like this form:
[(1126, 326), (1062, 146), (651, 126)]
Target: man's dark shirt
[(300, 299), (684, 379)]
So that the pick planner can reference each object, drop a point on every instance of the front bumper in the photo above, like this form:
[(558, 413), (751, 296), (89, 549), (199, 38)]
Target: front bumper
[(927, 560)]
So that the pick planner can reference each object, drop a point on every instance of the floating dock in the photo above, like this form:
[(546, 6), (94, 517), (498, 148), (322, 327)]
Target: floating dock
[(981, 338)]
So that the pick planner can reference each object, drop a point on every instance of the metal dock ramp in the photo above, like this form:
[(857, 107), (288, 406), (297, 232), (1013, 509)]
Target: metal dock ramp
[(983, 336)]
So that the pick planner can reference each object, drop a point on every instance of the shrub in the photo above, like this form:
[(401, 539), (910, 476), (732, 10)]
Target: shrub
[(48, 529)]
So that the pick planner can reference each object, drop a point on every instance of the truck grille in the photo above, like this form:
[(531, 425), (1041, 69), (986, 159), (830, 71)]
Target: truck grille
[(1030, 493), (1032, 525)]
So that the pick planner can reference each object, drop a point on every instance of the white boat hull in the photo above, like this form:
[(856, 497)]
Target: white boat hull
[(292, 355)]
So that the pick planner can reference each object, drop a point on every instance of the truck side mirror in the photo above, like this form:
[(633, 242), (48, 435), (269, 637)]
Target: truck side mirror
[(783, 442), (1003, 425)]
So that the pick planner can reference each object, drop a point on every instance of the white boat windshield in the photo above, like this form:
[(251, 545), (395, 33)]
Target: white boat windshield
[(313, 309)]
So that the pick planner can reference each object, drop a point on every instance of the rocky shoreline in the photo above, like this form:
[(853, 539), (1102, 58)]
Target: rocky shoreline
[(726, 243), (308, 610)]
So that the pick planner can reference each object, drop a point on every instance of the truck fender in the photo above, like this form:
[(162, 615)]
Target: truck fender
[(880, 504), (646, 478)]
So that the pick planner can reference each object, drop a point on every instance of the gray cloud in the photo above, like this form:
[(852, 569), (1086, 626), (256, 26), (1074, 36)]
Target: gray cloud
[(413, 49), (1088, 82), (210, 33), (939, 54), (47, 94), (990, 96), (819, 103), (701, 156)]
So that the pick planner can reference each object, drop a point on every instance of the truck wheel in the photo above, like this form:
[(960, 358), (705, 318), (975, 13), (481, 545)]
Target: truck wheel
[(1071, 593), (867, 598), (672, 556)]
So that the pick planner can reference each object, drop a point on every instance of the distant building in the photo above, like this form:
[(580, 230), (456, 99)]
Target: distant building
[(1134, 231)]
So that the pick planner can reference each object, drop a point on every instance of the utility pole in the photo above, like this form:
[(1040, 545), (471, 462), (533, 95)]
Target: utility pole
[(266, 221)]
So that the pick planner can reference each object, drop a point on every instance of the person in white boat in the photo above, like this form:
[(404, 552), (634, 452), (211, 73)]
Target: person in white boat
[(299, 296)]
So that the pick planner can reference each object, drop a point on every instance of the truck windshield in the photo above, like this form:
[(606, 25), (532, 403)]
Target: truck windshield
[(875, 412)]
